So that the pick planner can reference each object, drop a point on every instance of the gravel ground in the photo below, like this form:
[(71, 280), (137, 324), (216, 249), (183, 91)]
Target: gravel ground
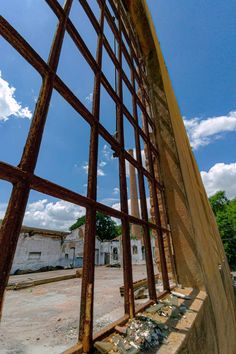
[(44, 319)]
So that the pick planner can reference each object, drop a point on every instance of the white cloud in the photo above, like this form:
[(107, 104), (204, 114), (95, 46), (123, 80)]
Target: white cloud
[(59, 215), (116, 206), (9, 105), (85, 167), (106, 152), (116, 190), (102, 164), (89, 98), (100, 172), (222, 177), (109, 201), (202, 132)]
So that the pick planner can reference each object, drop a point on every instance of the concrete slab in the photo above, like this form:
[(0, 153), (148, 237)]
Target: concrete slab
[(44, 319), (17, 282)]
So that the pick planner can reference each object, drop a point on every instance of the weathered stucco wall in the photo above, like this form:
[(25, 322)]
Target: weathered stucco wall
[(199, 253), (48, 249)]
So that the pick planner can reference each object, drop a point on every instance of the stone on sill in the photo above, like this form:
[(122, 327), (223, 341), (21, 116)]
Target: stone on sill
[(103, 347)]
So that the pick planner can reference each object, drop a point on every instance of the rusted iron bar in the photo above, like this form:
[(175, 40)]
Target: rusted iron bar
[(123, 47), (20, 44), (126, 247), (168, 234), (14, 38), (123, 29), (108, 330), (144, 211), (61, 87), (91, 16), (23, 178), (155, 199), (15, 174), (69, 96), (81, 45), (12, 221), (87, 291), (56, 8), (164, 271)]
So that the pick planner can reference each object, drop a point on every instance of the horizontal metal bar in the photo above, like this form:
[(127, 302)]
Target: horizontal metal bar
[(15, 174), (36, 61), (90, 15), (22, 47), (56, 8), (108, 330)]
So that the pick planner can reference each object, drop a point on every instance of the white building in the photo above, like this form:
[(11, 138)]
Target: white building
[(106, 252), (40, 248)]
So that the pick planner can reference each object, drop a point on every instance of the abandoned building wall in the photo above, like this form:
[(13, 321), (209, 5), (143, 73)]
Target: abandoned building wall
[(199, 254), (36, 251)]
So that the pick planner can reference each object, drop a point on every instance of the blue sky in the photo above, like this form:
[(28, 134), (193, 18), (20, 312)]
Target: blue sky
[(198, 42)]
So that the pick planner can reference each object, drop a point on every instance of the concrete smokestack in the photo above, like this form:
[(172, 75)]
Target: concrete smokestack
[(135, 229)]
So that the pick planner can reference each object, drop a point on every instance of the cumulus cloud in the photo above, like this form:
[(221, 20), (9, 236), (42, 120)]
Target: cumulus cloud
[(116, 190), (102, 164), (100, 171), (85, 167), (222, 177), (202, 132), (8, 103), (89, 98), (59, 215), (109, 201)]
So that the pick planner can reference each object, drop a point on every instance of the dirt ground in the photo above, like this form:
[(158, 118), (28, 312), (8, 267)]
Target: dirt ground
[(44, 319)]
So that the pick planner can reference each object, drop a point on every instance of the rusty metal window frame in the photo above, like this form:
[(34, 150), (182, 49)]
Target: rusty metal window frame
[(23, 178)]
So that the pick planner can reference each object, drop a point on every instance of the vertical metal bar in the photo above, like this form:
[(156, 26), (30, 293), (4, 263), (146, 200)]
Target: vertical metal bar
[(164, 215), (87, 291), (168, 236), (126, 247), (164, 271), (11, 225), (143, 201)]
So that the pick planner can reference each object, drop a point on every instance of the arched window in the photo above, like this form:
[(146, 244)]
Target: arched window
[(115, 254), (135, 249), (143, 253)]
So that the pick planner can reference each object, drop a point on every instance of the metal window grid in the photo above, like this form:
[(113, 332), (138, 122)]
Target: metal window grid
[(23, 178)]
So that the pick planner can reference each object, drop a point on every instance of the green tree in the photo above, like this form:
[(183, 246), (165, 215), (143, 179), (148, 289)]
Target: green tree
[(119, 229), (218, 202), (225, 212), (106, 228)]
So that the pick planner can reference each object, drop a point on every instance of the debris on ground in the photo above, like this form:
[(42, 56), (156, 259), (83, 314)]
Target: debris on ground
[(79, 273), (181, 296), (140, 293), (113, 265), (140, 334), (147, 330)]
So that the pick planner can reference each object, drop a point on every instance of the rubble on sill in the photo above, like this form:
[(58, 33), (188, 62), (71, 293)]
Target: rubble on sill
[(149, 329)]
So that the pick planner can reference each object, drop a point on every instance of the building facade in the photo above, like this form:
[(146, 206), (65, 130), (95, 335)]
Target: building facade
[(41, 249), (38, 248)]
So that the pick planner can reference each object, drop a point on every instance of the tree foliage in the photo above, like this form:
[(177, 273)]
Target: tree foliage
[(106, 228), (225, 212)]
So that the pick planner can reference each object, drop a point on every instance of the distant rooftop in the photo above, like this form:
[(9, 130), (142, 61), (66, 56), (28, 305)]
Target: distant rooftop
[(44, 232)]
